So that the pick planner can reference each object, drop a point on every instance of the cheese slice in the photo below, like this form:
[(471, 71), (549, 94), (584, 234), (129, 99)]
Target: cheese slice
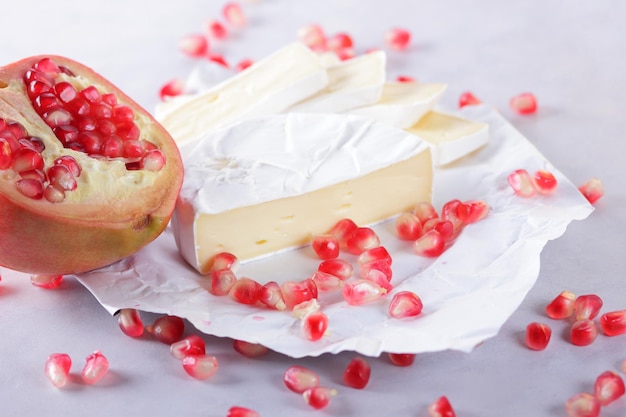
[(269, 184), (271, 85), (352, 83), (403, 104)]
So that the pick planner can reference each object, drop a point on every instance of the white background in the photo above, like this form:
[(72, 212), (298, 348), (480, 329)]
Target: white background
[(571, 54)]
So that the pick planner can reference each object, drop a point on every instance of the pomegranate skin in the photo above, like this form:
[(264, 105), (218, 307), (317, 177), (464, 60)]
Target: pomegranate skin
[(112, 214)]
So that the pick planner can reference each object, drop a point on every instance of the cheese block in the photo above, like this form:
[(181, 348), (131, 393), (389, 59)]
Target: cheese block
[(352, 83), (271, 85), (269, 184)]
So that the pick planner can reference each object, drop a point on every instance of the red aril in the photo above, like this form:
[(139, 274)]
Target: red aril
[(408, 226), (380, 265), (200, 367), (195, 45), (362, 239), (377, 254), (272, 296), (342, 230), (545, 182), (583, 332), (234, 15), (243, 64), (295, 293), (538, 335), (339, 41), (582, 405), (425, 211), (472, 211), (313, 36), (326, 246), (222, 281), (96, 367), (299, 379), (189, 346), (613, 323), (357, 373), (444, 227), (225, 260), (129, 321), (319, 397), (401, 359), (587, 306), (450, 212), (608, 387), (314, 325), (405, 304), (522, 183), (167, 329), (57, 369), (118, 207), (48, 282), (216, 30), (338, 267), (361, 291), (218, 59), (246, 291), (468, 99), (525, 103), (249, 349), (326, 282), (398, 39), (405, 79), (562, 306), (441, 407), (172, 88), (237, 411), (592, 189), (431, 244)]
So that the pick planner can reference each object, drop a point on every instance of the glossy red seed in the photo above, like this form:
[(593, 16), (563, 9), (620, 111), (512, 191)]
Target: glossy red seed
[(57, 369), (362, 239), (30, 187), (314, 325), (408, 226), (295, 293), (167, 329), (233, 13), (246, 291), (592, 189), (376, 254), (299, 379), (562, 306), (582, 405), (71, 163), (249, 349), (96, 367), (194, 45), (401, 359), (398, 39), (153, 160), (216, 29), (468, 99), (405, 304), (583, 332), (26, 159), (472, 211), (53, 194), (613, 323), (48, 67), (272, 296), (61, 177), (608, 387), (522, 183), (200, 367), (379, 265), (361, 291), (129, 321), (222, 281), (325, 281), (243, 64), (48, 282), (342, 230), (218, 59), (319, 397), (192, 345), (405, 79), (225, 260), (431, 244), (313, 36), (339, 41), (441, 407), (172, 88), (425, 211), (538, 335), (338, 267), (545, 182), (237, 411), (587, 306), (357, 373), (525, 103), (326, 246)]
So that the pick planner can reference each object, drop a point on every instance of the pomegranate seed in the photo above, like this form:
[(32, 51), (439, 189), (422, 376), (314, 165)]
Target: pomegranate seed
[(70, 163), (222, 281), (313, 36), (57, 369), (192, 345), (377, 254), (525, 103), (357, 373), (613, 323), (225, 260), (299, 379), (6, 154), (587, 306), (272, 296), (54, 194), (608, 387), (337, 267), (248, 349), (194, 45), (243, 64), (48, 67), (592, 189), (339, 41), (110, 99), (319, 397), (246, 291), (583, 332), (33, 143), (234, 14), (112, 146), (402, 359), (468, 99), (405, 79), (582, 405), (545, 182), (379, 277), (398, 39), (325, 281), (96, 366), (408, 226), (172, 88), (538, 335), (60, 176), (405, 304), (295, 293), (153, 160), (91, 94), (342, 230), (129, 321), (441, 408), (472, 211), (362, 239), (123, 114), (361, 291), (306, 307), (450, 211), (26, 159), (562, 306), (425, 211), (314, 325), (45, 102), (216, 29), (132, 148), (218, 59), (167, 329), (237, 411), (48, 282), (200, 367), (522, 183), (326, 246), (431, 244), (30, 187)]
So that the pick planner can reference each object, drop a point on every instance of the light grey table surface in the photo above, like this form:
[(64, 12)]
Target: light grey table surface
[(571, 54)]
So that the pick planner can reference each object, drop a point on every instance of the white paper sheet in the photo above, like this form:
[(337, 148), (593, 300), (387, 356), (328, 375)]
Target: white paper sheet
[(468, 292)]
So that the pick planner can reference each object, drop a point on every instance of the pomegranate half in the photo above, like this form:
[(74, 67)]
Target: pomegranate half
[(87, 177)]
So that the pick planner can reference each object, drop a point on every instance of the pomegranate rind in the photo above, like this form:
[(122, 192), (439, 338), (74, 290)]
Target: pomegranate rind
[(100, 223)]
